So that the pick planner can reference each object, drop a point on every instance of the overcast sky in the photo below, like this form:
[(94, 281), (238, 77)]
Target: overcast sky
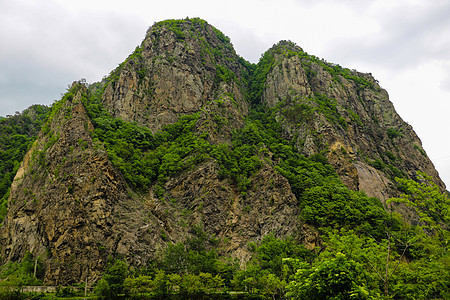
[(405, 44)]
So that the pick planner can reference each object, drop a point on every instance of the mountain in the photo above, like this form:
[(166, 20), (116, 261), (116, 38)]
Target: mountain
[(186, 141), (324, 107)]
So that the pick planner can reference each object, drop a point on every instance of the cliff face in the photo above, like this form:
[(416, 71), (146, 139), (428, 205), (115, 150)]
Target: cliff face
[(73, 208), (346, 114)]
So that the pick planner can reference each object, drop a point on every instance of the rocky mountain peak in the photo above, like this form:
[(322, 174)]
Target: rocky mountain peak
[(182, 67), (345, 114), (185, 141)]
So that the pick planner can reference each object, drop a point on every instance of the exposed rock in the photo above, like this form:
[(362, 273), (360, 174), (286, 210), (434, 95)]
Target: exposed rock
[(200, 197), (373, 182)]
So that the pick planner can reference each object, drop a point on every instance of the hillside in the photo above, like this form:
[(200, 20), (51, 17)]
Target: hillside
[(189, 160)]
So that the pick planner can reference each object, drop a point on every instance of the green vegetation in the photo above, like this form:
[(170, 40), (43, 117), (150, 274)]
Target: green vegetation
[(328, 107), (334, 278), (262, 69), (136, 59), (429, 203), (13, 275), (29, 271), (283, 267), (144, 158), (393, 133)]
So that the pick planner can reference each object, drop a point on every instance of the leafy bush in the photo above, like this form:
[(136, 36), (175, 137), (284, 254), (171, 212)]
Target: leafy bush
[(144, 158), (334, 278)]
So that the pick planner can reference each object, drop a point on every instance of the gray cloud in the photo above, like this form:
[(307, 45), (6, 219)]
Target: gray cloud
[(246, 43), (360, 6), (407, 37), (49, 47)]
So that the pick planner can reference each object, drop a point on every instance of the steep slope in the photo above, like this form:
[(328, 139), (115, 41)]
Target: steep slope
[(346, 114)]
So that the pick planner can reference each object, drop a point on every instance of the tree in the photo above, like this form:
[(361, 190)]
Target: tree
[(112, 283), (430, 204), (272, 285), (272, 251), (334, 278), (378, 258), (134, 286)]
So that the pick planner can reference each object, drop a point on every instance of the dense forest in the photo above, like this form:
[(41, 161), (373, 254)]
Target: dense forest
[(367, 251)]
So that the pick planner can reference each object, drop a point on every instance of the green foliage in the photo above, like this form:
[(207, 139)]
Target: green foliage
[(418, 148), (240, 161), (333, 278), (423, 279), (430, 204), (224, 74), (329, 109), (272, 251), (334, 205), (138, 286), (386, 271), (65, 292), (393, 133), (377, 164), (192, 257), (262, 69), (144, 158), (111, 286), (390, 155), (349, 266), (299, 112), (266, 273), (203, 283), (163, 285), (324, 200), (135, 59), (22, 273)]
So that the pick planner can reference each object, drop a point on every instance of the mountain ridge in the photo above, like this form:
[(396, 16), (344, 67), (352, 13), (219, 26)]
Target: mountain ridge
[(186, 139)]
